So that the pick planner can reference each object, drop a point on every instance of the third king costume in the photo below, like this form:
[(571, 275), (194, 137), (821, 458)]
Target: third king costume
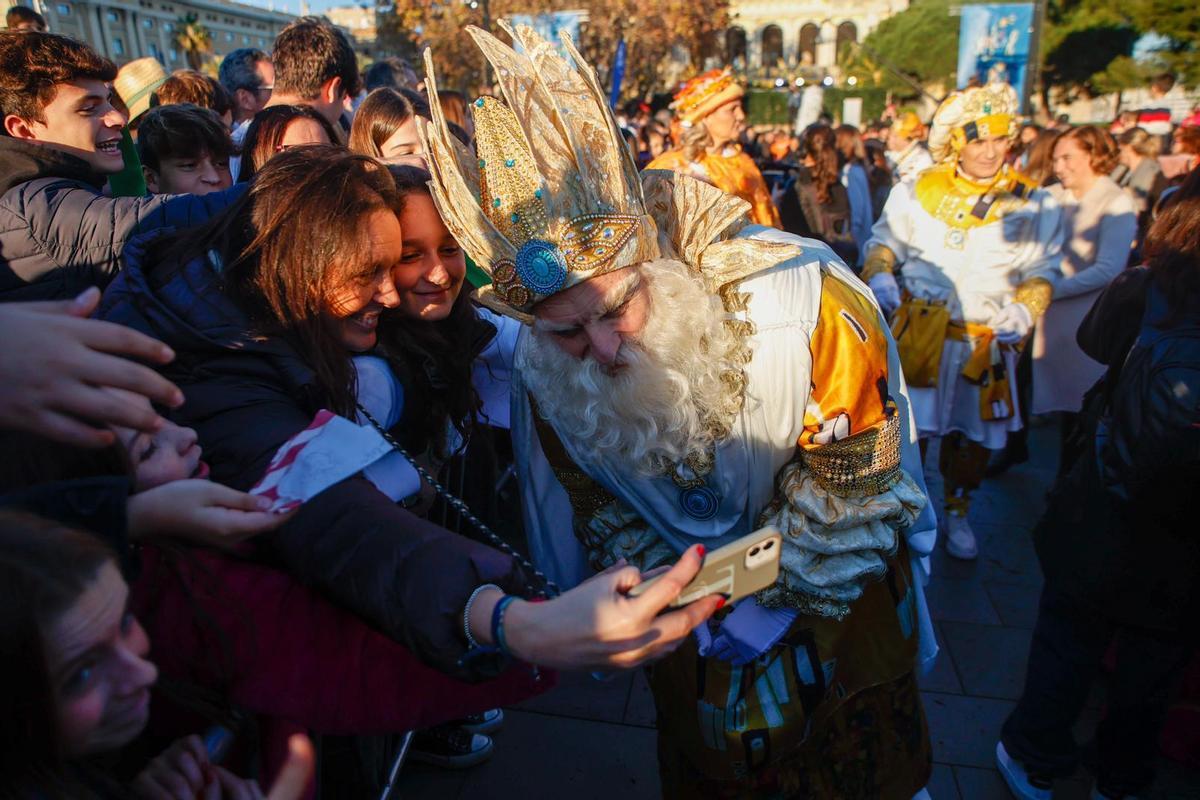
[(808, 689), (973, 258)]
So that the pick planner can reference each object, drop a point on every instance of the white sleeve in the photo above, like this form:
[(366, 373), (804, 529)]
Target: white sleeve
[(893, 229)]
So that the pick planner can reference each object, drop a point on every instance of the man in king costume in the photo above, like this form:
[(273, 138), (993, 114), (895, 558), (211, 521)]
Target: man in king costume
[(687, 377), (964, 259), (709, 119)]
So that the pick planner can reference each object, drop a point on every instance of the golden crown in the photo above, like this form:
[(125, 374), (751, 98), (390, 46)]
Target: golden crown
[(551, 196)]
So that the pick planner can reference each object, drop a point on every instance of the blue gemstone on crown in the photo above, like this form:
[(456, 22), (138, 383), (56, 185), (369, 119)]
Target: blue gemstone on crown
[(510, 162), (479, 103), (541, 267), (496, 203), (482, 163)]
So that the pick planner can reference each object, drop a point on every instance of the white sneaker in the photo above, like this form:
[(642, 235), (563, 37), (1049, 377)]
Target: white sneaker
[(960, 539), (1018, 782)]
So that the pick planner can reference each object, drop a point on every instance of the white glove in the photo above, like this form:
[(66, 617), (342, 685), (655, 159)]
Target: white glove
[(886, 290), (1012, 323)]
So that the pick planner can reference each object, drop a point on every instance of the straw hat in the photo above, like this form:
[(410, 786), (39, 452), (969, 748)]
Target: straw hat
[(704, 94), (136, 81)]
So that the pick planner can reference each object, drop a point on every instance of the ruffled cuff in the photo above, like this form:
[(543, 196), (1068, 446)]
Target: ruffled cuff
[(833, 546)]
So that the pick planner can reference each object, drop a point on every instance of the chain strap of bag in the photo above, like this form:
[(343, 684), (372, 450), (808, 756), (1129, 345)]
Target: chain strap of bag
[(548, 589)]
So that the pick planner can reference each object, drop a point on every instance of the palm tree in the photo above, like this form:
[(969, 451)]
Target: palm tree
[(193, 39)]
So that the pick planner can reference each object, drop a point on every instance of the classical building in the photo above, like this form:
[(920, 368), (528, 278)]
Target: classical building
[(359, 22), (778, 36), (127, 29)]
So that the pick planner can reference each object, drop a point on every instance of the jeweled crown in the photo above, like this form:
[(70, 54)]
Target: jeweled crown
[(551, 196)]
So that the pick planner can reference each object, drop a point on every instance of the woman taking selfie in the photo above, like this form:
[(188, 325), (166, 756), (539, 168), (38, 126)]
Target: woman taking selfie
[(267, 306)]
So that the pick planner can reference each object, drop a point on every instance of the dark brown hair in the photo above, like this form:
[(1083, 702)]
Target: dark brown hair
[(181, 131), (1098, 143), (850, 145), (190, 86), (1141, 142), (264, 136), (1039, 162), (285, 253), (433, 359), (454, 107), (33, 65), (820, 144), (379, 116), (44, 568), (308, 53), (23, 15), (1173, 248)]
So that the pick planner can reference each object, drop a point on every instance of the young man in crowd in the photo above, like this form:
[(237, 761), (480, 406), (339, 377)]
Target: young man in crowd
[(23, 18), (58, 233), (190, 86), (184, 149), (315, 66)]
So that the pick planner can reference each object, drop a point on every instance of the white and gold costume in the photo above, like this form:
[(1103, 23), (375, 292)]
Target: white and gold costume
[(966, 254), (822, 445)]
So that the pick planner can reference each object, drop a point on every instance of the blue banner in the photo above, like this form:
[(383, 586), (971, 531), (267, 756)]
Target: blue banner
[(994, 43), (618, 75)]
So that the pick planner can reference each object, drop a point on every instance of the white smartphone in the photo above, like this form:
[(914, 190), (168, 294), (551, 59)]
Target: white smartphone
[(740, 568)]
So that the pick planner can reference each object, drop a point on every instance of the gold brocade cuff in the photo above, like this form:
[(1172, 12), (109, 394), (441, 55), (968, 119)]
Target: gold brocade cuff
[(1035, 295), (880, 259)]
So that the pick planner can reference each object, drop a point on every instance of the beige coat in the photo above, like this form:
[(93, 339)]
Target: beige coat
[(1098, 231)]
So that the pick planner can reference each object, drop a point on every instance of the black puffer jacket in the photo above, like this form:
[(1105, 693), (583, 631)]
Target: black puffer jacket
[(59, 234), (245, 396)]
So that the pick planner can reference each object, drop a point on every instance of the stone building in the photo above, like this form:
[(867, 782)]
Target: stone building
[(782, 36), (127, 29), (359, 22)]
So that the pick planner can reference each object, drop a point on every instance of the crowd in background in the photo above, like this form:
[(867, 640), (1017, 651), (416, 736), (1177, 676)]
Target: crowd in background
[(184, 235)]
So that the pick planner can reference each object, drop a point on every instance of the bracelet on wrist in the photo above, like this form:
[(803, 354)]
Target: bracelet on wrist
[(472, 643), (498, 639)]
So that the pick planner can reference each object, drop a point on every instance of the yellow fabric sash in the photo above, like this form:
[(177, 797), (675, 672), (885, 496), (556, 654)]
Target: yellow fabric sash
[(986, 369)]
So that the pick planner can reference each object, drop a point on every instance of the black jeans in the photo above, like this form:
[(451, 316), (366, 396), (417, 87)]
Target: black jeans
[(1069, 643)]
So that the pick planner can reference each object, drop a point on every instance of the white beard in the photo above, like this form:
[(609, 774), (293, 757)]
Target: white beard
[(674, 394)]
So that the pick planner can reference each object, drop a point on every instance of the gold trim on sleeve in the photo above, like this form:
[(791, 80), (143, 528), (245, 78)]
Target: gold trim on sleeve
[(1035, 295), (880, 259)]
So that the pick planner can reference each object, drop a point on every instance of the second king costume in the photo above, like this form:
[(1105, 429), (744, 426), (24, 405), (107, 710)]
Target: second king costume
[(808, 689)]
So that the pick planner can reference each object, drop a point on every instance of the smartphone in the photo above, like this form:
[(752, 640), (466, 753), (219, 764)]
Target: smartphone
[(738, 569)]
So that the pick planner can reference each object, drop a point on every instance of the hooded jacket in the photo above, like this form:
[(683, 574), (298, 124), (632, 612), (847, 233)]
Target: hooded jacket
[(245, 396), (59, 235)]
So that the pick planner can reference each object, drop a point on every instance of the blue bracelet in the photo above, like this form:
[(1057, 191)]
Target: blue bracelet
[(498, 640)]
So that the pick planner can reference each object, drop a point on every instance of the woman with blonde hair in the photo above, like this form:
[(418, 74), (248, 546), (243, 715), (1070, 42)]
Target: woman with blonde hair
[(1099, 225), (1138, 171)]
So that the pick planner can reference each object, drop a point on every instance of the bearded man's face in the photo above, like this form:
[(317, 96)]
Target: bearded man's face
[(595, 318), (634, 366)]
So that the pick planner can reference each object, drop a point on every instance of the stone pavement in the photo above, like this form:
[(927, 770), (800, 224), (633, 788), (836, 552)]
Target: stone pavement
[(587, 739)]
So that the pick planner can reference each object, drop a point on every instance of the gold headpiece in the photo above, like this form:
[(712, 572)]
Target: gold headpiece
[(551, 197), (975, 113), (703, 94)]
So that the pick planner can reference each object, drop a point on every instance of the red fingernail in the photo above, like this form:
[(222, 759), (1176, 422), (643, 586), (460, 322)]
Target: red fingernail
[(700, 550), (720, 602)]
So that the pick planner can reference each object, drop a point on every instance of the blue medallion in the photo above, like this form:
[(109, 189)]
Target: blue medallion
[(699, 502), (541, 267)]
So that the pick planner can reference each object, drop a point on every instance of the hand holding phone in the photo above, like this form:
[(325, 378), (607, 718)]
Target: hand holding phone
[(734, 571)]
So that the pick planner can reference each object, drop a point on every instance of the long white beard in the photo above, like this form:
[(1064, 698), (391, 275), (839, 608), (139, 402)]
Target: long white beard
[(674, 396)]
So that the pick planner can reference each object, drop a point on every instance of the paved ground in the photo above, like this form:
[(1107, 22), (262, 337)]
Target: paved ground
[(590, 740)]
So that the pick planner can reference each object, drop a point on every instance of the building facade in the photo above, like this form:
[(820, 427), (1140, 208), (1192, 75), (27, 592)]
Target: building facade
[(779, 36), (127, 29), (359, 22)]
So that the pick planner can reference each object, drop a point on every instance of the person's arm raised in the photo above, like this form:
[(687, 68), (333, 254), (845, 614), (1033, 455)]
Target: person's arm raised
[(596, 625), (56, 363)]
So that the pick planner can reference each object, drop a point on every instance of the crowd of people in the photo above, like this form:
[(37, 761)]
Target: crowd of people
[(274, 339)]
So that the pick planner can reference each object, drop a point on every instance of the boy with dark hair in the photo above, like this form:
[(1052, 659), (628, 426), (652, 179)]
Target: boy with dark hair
[(190, 86), (23, 18), (315, 66), (184, 149), (61, 136)]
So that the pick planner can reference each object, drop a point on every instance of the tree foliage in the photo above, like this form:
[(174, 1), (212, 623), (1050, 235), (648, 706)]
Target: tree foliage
[(193, 39), (921, 42), (653, 33)]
